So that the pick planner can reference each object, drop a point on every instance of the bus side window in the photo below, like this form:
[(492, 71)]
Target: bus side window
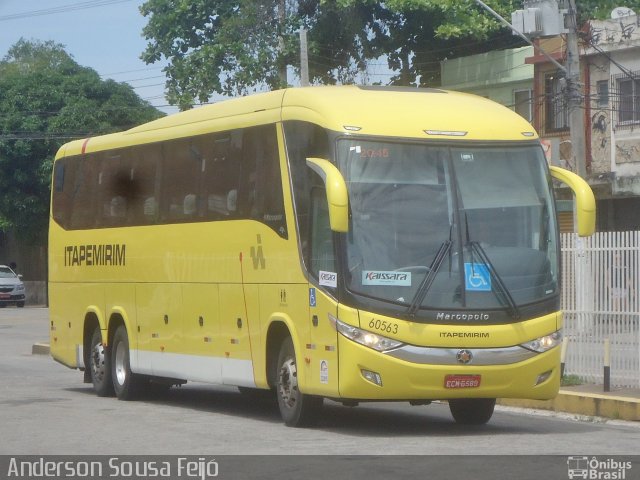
[(221, 174), (322, 257), (261, 188), (304, 140), (117, 188), (144, 172), (63, 183), (182, 166), (83, 214)]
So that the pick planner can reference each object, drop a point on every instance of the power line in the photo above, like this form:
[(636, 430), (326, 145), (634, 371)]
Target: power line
[(140, 79), (131, 71), (147, 86), (622, 68), (61, 9), (43, 136)]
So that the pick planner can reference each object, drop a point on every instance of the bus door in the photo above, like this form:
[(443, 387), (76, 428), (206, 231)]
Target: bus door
[(323, 354), (322, 375)]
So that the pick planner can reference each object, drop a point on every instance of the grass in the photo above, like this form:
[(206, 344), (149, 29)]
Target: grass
[(571, 380)]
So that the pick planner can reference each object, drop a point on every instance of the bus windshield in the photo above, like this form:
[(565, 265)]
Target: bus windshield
[(442, 228)]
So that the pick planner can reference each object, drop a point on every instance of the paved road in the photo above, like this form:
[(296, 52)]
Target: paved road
[(46, 409)]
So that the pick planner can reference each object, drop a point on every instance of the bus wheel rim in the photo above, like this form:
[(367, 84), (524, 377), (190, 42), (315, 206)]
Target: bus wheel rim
[(97, 362), (120, 364), (288, 384)]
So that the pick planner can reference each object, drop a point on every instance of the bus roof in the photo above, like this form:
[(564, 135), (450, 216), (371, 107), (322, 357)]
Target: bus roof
[(406, 112), (380, 111)]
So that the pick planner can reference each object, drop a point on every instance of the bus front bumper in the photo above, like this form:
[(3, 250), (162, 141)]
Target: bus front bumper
[(366, 374)]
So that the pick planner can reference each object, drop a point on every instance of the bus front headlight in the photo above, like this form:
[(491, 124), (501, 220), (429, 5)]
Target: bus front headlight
[(363, 337), (545, 343)]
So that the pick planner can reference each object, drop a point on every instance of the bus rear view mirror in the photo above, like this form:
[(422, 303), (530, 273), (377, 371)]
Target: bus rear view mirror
[(337, 196), (585, 201)]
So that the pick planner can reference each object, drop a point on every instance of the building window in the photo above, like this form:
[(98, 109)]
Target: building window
[(602, 89), (626, 98), (523, 103), (555, 102)]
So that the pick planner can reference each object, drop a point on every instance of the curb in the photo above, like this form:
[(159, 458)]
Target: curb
[(584, 403), (40, 349)]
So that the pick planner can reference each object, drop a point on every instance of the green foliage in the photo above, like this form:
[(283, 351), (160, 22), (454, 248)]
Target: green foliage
[(466, 18), (46, 98), (214, 46), (455, 18), (601, 9), (571, 380), (233, 47)]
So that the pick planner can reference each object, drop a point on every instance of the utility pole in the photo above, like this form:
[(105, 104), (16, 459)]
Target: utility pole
[(546, 23), (520, 34), (575, 102), (304, 59), (282, 67)]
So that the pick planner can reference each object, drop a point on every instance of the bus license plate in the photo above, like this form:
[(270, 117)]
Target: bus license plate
[(462, 381)]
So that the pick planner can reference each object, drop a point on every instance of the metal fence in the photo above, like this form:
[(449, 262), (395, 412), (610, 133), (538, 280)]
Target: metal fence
[(600, 300)]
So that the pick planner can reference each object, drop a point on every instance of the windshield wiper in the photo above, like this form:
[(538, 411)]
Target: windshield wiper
[(502, 292), (428, 279)]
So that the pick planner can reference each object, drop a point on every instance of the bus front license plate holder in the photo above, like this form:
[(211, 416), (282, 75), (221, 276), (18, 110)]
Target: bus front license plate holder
[(462, 381)]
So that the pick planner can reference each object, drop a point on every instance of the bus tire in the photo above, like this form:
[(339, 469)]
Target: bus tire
[(100, 365), (472, 411), (296, 408), (126, 384)]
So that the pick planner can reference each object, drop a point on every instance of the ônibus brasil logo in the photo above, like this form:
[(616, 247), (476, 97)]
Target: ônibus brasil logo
[(596, 469)]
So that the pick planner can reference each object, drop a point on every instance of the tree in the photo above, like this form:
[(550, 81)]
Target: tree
[(46, 98), (413, 42), (230, 47), (601, 9), (466, 18), (212, 45), (459, 19)]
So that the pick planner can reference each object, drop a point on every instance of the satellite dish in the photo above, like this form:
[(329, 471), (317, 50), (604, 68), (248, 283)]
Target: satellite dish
[(621, 12)]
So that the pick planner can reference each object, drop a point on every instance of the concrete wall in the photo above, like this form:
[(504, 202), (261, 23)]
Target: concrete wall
[(600, 121), (30, 259), (495, 75), (36, 292)]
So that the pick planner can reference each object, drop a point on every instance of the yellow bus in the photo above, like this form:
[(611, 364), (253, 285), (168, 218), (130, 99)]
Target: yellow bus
[(343, 243)]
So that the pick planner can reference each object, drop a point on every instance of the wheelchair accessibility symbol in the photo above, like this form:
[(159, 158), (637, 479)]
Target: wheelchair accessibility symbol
[(477, 277)]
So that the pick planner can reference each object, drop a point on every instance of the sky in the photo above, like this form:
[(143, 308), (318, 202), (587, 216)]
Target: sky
[(106, 37)]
